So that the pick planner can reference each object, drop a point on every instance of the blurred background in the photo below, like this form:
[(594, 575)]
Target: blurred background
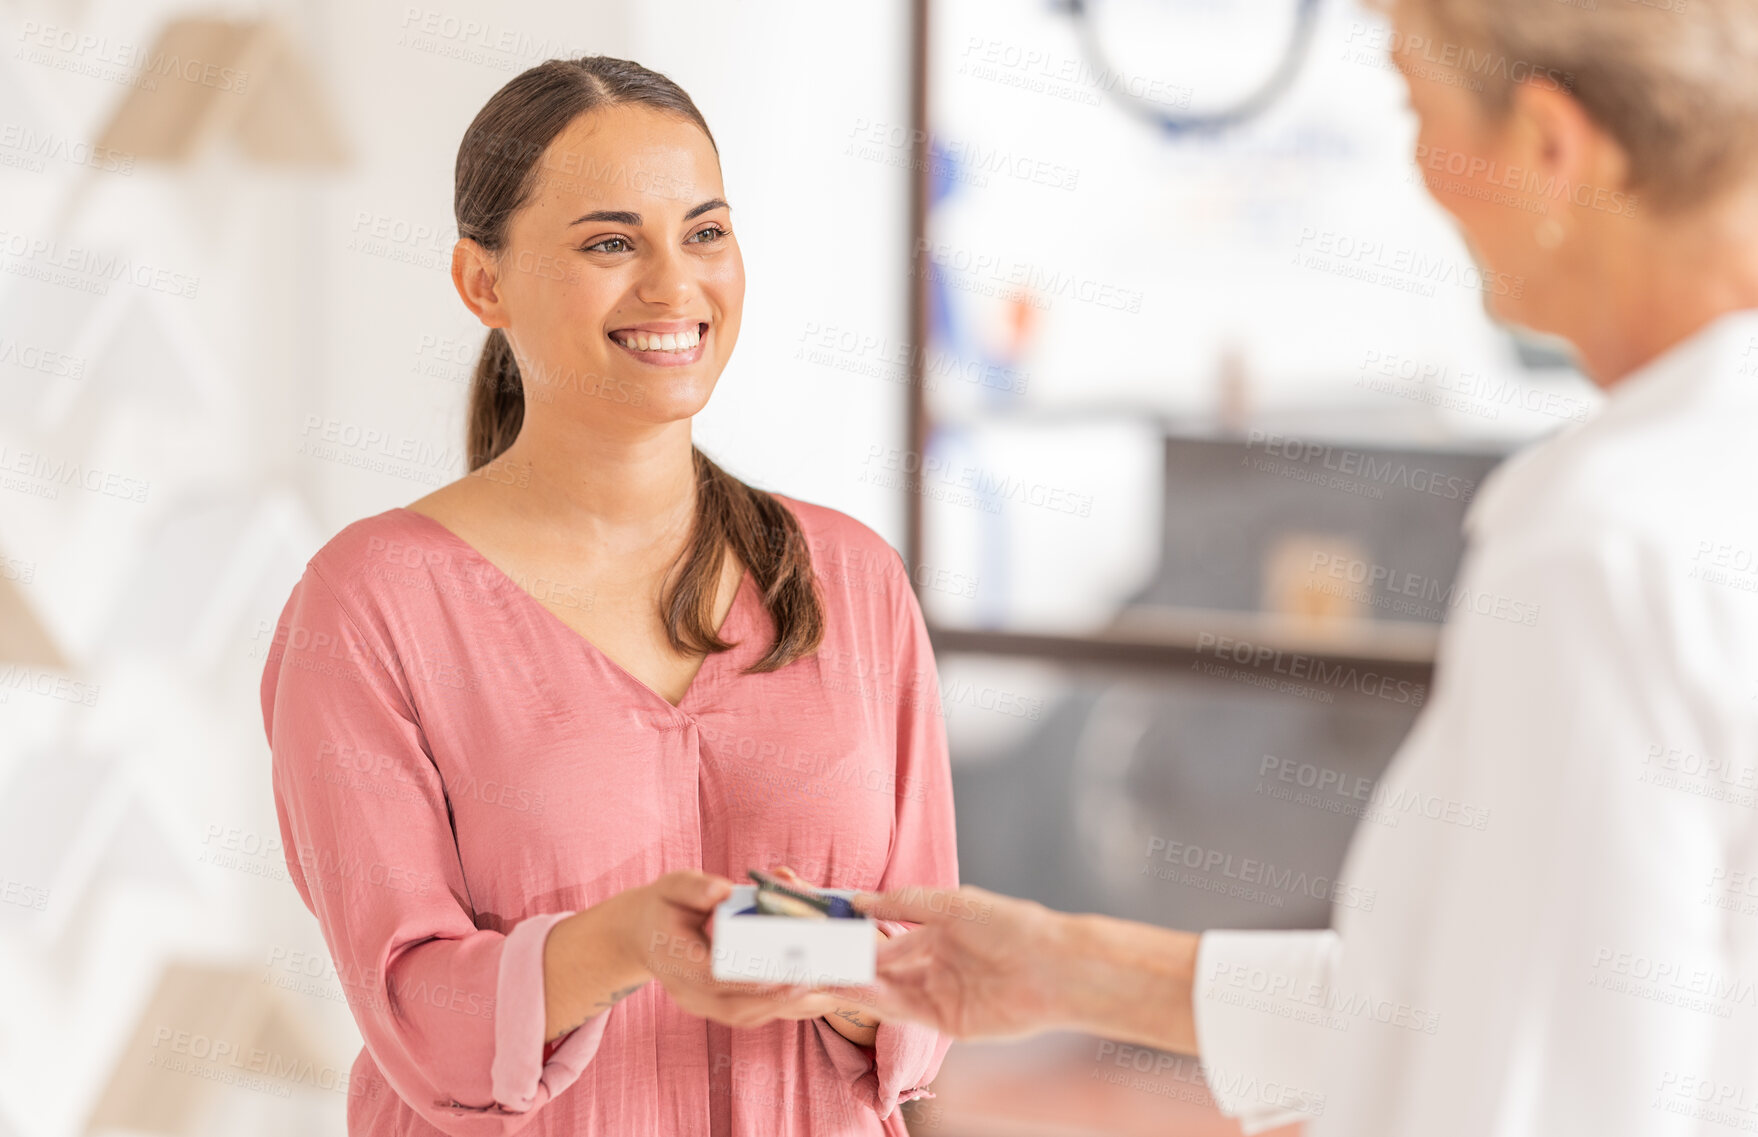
[(1127, 321)]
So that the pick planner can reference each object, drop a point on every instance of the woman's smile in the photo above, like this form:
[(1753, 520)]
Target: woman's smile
[(663, 343)]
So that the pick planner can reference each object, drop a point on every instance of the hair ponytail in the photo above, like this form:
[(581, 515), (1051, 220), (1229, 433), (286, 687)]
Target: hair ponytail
[(767, 539), (497, 401), (495, 175)]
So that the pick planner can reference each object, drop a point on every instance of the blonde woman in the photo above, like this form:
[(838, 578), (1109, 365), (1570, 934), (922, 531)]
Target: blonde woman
[(1587, 963)]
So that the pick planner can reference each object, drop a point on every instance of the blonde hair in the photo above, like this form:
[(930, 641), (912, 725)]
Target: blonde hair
[(1675, 82)]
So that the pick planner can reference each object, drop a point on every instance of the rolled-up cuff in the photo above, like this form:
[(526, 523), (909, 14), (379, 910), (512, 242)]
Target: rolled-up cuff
[(907, 1056), (1262, 1058), (897, 1068), (520, 1077)]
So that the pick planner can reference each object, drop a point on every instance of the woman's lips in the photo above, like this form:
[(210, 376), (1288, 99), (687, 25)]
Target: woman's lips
[(663, 348)]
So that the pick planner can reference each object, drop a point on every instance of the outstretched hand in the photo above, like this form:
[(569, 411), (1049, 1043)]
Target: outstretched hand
[(979, 965)]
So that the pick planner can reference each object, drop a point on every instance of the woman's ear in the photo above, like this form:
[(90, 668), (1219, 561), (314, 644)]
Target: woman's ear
[(1555, 138), (476, 276)]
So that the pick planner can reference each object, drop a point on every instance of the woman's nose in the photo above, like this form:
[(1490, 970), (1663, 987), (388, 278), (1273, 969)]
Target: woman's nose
[(665, 279)]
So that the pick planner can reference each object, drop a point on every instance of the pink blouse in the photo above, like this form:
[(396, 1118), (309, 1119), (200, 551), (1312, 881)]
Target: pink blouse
[(456, 769)]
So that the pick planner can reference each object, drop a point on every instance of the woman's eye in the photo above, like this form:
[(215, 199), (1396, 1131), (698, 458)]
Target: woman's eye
[(710, 234), (621, 245)]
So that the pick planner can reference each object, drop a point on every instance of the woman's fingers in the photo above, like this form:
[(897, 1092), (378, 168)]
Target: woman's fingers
[(698, 891), (913, 905), (901, 950)]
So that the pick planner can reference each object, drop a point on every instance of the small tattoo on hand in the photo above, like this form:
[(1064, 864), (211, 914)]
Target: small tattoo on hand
[(616, 997), (854, 1019)]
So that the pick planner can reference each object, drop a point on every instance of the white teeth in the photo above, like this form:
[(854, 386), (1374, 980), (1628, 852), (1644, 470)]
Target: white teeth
[(646, 341)]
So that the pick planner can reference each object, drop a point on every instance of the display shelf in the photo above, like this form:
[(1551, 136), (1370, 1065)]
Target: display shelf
[(1169, 638)]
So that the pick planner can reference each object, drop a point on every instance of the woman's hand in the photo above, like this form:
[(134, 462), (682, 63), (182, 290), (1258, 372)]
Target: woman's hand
[(854, 1020), (602, 955), (982, 965), (978, 964), (664, 933)]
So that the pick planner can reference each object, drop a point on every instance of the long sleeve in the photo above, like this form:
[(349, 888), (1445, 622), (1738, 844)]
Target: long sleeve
[(1591, 968), (452, 1014), (905, 1057), (1262, 1044), (1557, 941)]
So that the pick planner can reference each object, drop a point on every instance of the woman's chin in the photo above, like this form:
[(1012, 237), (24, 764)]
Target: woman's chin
[(665, 399)]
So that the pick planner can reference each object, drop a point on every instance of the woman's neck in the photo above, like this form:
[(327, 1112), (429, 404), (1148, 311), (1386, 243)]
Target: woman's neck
[(585, 480), (1666, 284)]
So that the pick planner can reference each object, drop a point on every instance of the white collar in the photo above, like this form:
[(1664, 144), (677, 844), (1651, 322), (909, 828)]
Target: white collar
[(1715, 368)]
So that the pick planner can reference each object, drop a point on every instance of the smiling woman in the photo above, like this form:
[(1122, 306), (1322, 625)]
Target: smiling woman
[(525, 728), (603, 133)]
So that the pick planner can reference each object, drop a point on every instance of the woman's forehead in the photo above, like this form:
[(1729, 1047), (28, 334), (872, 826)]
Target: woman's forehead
[(628, 158)]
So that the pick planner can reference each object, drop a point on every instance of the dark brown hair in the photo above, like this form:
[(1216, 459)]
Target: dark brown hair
[(497, 172)]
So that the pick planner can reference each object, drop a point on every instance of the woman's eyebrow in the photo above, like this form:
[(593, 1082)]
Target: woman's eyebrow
[(614, 216), (711, 203), (625, 217)]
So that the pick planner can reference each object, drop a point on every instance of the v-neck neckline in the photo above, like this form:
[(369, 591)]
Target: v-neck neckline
[(505, 582)]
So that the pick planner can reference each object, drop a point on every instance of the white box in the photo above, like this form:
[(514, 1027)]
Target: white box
[(761, 948)]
